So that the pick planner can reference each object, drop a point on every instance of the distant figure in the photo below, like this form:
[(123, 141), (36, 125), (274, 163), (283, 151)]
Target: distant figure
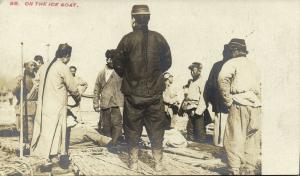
[(195, 105), (6, 96), (39, 60), (171, 101), (183, 107), (240, 86), (213, 96), (38, 64), (108, 91), (142, 58), (30, 103), (50, 125), (7, 111), (82, 86)]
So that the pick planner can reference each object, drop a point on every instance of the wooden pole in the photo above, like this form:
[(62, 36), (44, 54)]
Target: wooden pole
[(21, 104), (48, 45)]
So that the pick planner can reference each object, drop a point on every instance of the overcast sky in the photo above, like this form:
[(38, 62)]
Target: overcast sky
[(195, 31)]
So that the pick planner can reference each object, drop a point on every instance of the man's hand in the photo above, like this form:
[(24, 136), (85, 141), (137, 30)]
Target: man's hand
[(167, 113), (97, 109), (121, 110), (229, 103), (19, 78), (192, 113)]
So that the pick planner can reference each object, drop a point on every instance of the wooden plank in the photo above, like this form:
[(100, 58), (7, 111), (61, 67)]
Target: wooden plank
[(103, 162), (188, 153), (173, 166), (211, 163)]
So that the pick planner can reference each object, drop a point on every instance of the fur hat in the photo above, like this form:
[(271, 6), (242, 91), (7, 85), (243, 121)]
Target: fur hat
[(195, 65), (239, 44)]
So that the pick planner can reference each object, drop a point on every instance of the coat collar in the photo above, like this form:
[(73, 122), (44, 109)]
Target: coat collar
[(111, 75)]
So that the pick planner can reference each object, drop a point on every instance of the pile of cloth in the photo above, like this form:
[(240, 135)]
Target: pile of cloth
[(172, 138)]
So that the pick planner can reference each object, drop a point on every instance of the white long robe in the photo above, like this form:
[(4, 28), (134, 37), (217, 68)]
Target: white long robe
[(49, 135)]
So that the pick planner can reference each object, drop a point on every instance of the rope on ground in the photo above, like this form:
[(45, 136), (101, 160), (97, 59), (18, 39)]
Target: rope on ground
[(15, 164)]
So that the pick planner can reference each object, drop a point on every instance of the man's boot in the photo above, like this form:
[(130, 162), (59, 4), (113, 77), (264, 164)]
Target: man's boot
[(234, 171), (133, 159), (247, 171), (157, 156), (64, 161), (190, 130), (47, 166)]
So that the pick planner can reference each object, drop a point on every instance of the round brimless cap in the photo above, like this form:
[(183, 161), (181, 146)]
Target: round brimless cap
[(140, 10)]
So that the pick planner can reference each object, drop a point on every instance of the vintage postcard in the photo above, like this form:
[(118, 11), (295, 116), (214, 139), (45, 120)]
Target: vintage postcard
[(98, 87)]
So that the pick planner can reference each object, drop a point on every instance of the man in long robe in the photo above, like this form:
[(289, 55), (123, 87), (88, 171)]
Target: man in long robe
[(56, 80)]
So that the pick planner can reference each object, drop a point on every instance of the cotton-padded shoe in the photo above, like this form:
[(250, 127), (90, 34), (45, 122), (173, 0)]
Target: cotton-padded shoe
[(159, 167), (133, 166)]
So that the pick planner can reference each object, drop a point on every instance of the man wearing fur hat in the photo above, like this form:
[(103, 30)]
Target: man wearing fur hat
[(240, 87), (195, 105), (142, 57)]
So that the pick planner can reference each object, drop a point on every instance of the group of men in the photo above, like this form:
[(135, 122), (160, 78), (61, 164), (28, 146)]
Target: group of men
[(33, 81), (233, 89), (30, 85), (134, 90)]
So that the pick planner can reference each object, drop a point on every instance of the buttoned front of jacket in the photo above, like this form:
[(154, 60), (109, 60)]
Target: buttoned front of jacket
[(108, 93), (195, 96)]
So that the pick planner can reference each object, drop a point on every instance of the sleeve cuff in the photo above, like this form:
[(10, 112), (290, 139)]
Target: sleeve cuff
[(200, 111), (229, 103)]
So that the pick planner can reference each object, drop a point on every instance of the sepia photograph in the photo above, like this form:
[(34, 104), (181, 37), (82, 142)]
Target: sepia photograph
[(148, 87)]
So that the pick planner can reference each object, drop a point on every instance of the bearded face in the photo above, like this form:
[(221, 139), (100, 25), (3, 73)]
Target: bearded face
[(109, 63), (195, 72), (30, 67)]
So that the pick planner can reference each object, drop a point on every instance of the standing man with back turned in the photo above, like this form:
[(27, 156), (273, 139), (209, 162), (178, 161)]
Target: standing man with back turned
[(141, 59), (240, 87)]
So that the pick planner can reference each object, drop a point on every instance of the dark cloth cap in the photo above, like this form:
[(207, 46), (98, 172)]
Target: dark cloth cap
[(239, 44), (140, 10), (195, 65)]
